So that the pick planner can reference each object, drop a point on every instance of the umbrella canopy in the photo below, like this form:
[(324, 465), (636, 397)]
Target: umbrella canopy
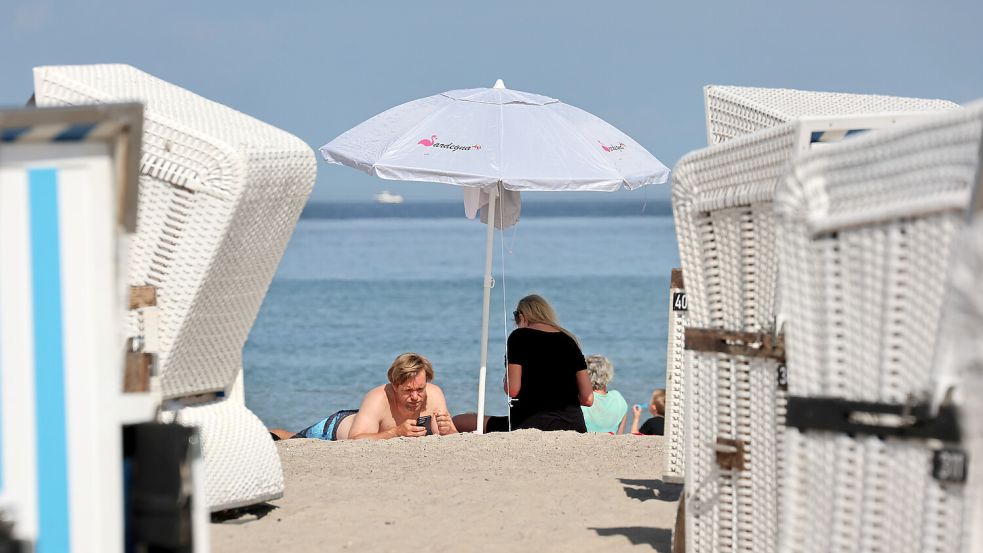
[(484, 136), (496, 142)]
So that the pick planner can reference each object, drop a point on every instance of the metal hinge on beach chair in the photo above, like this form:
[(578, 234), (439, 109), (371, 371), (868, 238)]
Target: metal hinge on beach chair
[(730, 452), (886, 420), (141, 352)]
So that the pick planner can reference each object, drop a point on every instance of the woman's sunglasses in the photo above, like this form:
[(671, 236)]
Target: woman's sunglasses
[(515, 316)]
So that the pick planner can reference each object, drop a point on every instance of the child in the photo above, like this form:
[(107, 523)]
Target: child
[(657, 407)]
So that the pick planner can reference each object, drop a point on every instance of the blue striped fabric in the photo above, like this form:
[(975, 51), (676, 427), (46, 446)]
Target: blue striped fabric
[(66, 133), (49, 370), (833, 136), (12, 134), (74, 133)]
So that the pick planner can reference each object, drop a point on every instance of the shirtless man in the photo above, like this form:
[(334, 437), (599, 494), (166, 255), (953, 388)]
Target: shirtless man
[(390, 410)]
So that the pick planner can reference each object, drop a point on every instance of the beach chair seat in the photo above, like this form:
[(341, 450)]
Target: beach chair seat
[(220, 194), (867, 228)]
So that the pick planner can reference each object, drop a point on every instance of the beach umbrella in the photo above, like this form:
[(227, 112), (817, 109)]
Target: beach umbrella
[(496, 142)]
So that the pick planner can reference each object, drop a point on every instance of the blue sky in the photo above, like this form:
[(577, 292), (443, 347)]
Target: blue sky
[(317, 69)]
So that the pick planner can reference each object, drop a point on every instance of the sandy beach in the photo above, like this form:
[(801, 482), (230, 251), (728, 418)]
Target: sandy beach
[(525, 491)]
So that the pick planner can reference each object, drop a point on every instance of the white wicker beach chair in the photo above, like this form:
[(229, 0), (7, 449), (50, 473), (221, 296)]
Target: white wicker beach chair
[(733, 111), (220, 194), (722, 198), (866, 235)]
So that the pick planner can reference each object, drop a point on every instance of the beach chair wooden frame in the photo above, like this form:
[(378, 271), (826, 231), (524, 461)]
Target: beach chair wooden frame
[(220, 194), (867, 232)]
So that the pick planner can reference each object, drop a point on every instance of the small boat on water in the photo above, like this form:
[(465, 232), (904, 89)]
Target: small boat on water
[(386, 197)]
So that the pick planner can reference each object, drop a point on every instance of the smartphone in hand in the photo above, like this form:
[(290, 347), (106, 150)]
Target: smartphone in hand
[(425, 422)]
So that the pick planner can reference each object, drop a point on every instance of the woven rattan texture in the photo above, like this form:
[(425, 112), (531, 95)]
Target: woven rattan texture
[(734, 111), (864, 252), (233, 479), (726, 231), (675, 375), (220, 194)]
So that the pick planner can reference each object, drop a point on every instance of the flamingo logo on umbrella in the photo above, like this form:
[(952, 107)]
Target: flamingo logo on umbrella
[(620, 146), (428, 143)]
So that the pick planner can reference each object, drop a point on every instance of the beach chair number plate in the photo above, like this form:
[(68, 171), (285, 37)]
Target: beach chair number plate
[(782, 371), (679, 302), (949, 465)]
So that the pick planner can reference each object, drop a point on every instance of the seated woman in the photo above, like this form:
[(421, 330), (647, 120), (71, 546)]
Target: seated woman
[(655, 426), (610, 410), (546, 375)]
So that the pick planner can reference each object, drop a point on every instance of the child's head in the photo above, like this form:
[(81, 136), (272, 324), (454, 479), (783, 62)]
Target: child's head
[(658, 404)]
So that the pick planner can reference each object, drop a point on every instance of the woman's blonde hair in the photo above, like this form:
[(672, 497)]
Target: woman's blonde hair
[(407, 366), (536, 309)]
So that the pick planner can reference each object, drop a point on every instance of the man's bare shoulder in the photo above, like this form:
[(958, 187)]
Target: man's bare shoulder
[(434, 389), (376, 396)]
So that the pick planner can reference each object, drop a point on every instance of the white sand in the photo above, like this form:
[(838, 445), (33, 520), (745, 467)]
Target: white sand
[(525, 491)]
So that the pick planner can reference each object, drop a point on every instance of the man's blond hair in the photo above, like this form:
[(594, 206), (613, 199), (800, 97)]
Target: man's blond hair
[(407, 366), (659, 400)]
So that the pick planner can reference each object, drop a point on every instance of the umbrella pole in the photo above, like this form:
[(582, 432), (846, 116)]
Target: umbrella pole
[(485, 308)]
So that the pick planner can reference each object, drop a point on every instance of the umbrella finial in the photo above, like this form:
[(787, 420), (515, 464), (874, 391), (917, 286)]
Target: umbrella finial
[(499, 84)]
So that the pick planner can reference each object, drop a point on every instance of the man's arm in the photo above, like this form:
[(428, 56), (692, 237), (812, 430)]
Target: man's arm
[(442, 420), (621, 427)]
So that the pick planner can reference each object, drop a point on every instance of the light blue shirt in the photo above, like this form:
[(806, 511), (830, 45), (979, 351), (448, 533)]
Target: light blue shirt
[(606, 413)]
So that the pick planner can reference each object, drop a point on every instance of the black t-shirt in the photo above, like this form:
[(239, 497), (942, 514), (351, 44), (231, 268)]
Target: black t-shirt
[(653, 427), (550, 361)]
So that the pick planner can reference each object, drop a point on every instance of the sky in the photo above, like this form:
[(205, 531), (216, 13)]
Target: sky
[(318, 68)]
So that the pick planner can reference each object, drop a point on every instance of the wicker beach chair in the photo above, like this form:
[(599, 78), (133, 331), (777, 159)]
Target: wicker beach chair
[(867, 229), (220, 194), (733, 379), (733, 111)]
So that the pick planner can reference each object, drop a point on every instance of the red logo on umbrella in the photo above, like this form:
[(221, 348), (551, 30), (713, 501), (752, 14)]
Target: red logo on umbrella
[(619, 146), (432, 143)]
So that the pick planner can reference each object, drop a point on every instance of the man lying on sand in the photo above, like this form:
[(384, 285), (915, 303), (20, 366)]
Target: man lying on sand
[(389, 411)]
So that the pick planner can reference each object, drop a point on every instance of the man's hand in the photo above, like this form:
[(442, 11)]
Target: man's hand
[(445, 424), (410, 429)]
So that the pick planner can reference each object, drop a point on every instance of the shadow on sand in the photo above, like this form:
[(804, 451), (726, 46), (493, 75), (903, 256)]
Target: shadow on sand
[(659, 538), (644, 490)]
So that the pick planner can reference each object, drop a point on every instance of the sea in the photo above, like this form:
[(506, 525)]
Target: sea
[(361, 283)]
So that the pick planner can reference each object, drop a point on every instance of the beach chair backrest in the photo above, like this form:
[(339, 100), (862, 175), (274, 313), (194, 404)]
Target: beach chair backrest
[(732, 111), (867, 229), (219, 196)]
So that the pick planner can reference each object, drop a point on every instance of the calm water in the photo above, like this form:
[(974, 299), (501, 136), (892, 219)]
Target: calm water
[(361, 283)]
